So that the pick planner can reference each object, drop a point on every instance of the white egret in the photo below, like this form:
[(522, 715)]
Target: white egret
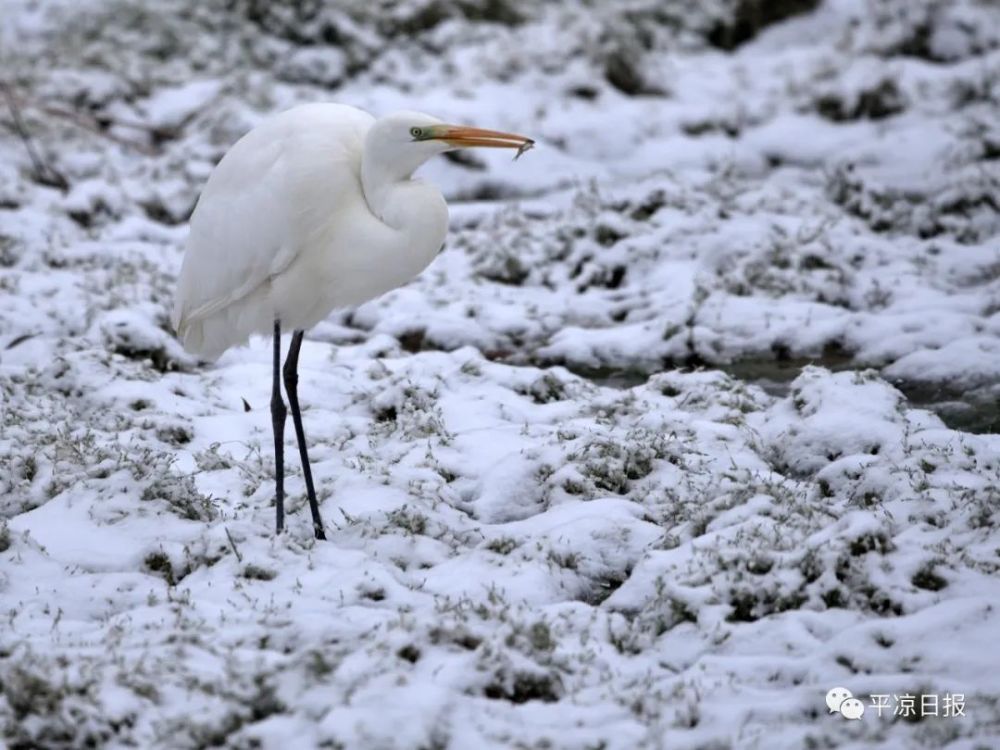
[(312, 210)]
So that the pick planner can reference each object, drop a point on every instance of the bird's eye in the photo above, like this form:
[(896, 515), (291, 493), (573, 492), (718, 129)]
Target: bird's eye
[(416, 132)]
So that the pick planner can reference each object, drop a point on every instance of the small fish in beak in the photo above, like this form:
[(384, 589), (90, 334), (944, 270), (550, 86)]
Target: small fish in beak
[(460, 136)]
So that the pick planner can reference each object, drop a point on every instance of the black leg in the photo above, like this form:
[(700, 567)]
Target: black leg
[(292, 389), (278, 414)]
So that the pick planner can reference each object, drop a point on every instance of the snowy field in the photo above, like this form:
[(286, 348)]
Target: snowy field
[(693, 419)]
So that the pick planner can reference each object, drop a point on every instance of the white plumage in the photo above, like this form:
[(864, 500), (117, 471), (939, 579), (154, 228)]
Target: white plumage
[(312, 210), (283, 230)]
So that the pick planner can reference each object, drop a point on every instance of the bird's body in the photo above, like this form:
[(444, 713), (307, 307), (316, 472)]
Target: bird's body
[(313, 209), (284, 231)]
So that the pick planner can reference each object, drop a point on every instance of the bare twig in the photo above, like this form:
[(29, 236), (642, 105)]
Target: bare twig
[(97, 127), (92, 124), (232, 543), (45, 173)]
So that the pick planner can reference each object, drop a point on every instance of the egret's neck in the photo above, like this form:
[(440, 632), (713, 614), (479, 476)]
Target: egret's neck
[(384, 181), (400, 202), (412, 207)]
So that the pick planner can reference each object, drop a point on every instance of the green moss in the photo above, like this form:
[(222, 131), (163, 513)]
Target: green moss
[(541, 637), (502, 545)]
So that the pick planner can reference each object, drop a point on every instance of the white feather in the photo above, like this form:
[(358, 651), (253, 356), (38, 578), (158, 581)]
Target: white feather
[(283, 231)]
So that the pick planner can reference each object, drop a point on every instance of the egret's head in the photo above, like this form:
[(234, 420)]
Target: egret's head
[(408, 139), (450, 137)]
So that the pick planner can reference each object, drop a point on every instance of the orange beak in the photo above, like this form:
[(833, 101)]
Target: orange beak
[(460, 136)]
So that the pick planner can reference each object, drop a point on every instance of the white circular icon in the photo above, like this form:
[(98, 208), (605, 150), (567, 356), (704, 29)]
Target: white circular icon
[(835, 697), (852, 708)]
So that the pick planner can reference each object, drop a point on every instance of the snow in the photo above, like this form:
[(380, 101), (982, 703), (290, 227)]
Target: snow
[(693, 419)]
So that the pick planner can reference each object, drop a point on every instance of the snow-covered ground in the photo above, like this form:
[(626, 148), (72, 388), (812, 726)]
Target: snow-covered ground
[(643, 460)]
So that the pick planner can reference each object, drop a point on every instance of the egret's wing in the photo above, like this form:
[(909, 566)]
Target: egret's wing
[(262, 202), (236, 236)]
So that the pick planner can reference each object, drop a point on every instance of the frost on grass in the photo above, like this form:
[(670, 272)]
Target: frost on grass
[(680, 524), (553, 521)]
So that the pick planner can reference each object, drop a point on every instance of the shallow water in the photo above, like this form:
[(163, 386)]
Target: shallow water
[(976, 411)]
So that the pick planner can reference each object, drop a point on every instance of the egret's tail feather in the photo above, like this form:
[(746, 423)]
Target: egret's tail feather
[(208, 338)]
